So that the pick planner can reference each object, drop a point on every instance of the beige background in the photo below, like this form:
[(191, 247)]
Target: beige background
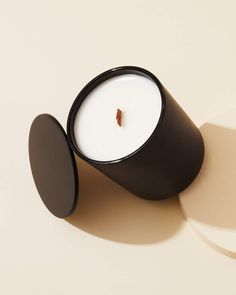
[(115, 243)]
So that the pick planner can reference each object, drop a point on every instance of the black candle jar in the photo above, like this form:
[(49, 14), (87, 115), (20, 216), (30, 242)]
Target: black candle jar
[(162, 167), (166, 163)]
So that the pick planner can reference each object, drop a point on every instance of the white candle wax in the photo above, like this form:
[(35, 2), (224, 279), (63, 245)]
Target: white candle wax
[(97, 133)]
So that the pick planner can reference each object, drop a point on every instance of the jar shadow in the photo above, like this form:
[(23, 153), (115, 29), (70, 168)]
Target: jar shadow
[(107, 210), (209, 203), (211, 198)]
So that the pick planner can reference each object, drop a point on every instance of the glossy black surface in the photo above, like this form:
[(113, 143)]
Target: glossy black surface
[(166, 163), (53, 165)]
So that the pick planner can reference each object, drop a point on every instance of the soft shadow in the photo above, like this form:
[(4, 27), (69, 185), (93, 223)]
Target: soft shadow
[(107, 210), (211, 199)]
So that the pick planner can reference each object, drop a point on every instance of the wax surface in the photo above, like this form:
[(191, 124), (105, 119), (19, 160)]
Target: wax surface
[(98, 135)]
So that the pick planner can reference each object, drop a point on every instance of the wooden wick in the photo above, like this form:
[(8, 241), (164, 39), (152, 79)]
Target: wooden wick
[(119, 117)]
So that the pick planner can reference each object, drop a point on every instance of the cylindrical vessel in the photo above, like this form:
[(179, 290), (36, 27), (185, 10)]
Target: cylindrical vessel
[(163, 165)]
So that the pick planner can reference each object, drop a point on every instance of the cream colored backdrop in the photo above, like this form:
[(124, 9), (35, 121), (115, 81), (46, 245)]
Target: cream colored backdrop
[(115, 243)]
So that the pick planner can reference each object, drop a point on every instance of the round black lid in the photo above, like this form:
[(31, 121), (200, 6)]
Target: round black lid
[(53, 165)]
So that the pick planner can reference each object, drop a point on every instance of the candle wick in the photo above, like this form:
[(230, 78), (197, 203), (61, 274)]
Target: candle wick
[(119, 117)]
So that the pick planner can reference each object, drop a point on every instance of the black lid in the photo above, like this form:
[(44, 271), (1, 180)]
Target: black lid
[(53, 165)]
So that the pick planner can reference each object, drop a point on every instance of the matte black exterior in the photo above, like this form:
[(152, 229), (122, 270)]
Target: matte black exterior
[(166, 163), (53, 165)]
